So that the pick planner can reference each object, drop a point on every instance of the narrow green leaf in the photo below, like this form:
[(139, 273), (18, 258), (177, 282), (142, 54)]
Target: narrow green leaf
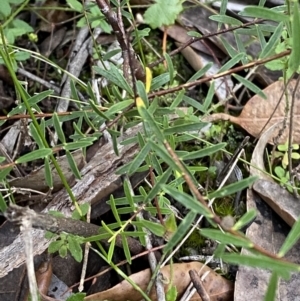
[(115, 76), (194, 34), (151, 122), (58, 128), (232, 62), (273, 41), (177, 100), (114, 210), (188, 201), (117, 94), (159, 81), (223, 7), (119, 107), (194, 103), (240, 47), (283, 268), (96, 109), (139, 159), (294, 60), (227, 238), (261, 37), (74, 93), (250, 86), (271, 291), (220, 250), (108, 228), (77, 129), (248, 217), (264, 13), (114, 136), (154, 227), (3, 205), (200, 72), (90, 92), (226, 20), (142, 92), (36, 136), (180, 232), (110, 54), (157, 186), (126, 248), (161, 152), (90, 122), (34, 155), (291, 239), (231, 51), (79, 144), (198, 168), (170, 223), (32, 101), (204, 152), (97, 237), (43, 126), (154, 162), (128, 195), (153, 106), (48, 173), (209, 96), (170, 67), (111, 250), (262, 2), (232, 188), (73, 165), (123, 169), (184, 128)]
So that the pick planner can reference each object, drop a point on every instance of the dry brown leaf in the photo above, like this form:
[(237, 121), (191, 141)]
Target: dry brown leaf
[(217, 287), (257, 112)]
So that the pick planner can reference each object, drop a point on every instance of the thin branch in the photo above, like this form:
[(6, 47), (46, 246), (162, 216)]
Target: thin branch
[(193, 40)]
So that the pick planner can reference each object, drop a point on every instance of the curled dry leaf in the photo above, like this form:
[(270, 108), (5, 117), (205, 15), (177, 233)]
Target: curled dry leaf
[(257, 112), (217, 287), (257, 166), (276, 196)]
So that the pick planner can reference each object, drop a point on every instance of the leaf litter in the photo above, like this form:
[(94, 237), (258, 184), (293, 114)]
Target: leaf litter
[(269, 230), (257, 112), (217, 286)]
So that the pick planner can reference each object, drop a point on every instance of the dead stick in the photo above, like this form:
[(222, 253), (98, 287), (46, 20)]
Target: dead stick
[(16, 214)]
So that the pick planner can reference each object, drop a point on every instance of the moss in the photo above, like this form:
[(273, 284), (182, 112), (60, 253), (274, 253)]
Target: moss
[(224, 207), (194, 242)]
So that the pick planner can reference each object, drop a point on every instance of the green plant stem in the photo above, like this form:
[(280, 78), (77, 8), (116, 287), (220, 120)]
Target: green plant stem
[(6, 57)]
